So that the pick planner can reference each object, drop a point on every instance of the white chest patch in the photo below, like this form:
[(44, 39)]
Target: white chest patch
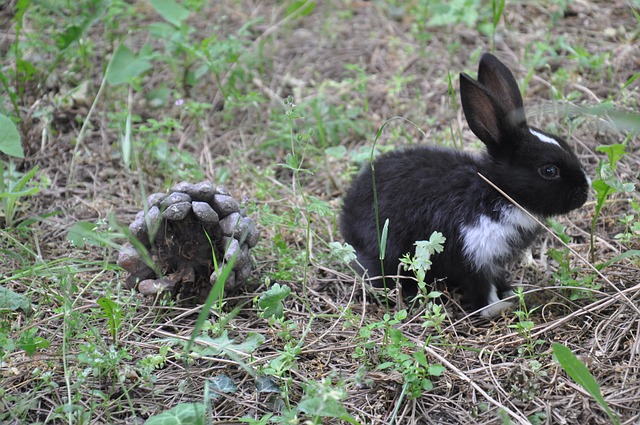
[(486, 241)]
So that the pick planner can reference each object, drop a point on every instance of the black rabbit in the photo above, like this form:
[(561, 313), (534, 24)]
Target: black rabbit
[(426, 189)]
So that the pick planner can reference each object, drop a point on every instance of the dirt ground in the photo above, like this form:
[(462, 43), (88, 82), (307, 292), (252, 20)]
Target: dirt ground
[(566, 54)]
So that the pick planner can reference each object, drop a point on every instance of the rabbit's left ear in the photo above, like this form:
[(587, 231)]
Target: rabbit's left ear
[(485, 115), (499, 81)]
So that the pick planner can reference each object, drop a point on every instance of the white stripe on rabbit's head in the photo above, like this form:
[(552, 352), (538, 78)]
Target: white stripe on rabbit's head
[(544, 138)]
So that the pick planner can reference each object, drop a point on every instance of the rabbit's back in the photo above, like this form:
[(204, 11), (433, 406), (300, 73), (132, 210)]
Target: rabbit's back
[(419, 190)]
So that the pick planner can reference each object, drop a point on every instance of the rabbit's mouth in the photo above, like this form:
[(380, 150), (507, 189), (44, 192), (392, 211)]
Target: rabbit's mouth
[(572, 200), (578, 197)]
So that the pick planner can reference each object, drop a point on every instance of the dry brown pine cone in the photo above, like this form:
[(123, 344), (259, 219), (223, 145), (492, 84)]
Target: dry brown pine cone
[(183, 231)]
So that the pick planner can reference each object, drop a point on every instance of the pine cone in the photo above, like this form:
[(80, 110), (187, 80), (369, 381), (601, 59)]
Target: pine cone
[(183, 232)]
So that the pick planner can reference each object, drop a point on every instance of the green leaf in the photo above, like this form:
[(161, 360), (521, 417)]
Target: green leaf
[(26, 68), (10, 138), (297, 7), (421, 358), (427, 385), (271, 301), (436, 369), (80, 233), (637, 74), (224, 345), (10, 300), (171, 11), (383, 239), (264, 384), (66, 38), (338, 152), (182, 414), (325, 407), (291, 162), (343, 251), (614, 152), (579, 373), (29, 342), (498, 7), (627, 254), (113, 313), (124, 66), (319, 207), (385, 365), (7, 344), (221, 384), (538, 418), (262, 421)]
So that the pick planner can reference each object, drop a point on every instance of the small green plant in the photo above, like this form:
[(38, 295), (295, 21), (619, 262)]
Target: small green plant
[(631, 223), (271, 301), (587, 61), (101, 362), (497, 7), (182, 413), (607, 184), (527, 381), (14, 85), (524, 326), (30, 342), (398, 353), (14, 186), (322, 400), (7, 345), (580, 374), (112, 312), (420, 262), (577, 284), (406, 357), (150, 363), (434, 313)]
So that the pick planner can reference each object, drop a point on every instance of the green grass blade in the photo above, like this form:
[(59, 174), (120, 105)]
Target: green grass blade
[(579, 373)]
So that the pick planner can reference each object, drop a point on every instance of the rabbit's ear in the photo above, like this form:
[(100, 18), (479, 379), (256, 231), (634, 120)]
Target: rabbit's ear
[(484, 113), (499, 80)]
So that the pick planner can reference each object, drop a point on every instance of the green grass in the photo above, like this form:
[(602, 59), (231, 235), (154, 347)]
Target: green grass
[(108, 101)]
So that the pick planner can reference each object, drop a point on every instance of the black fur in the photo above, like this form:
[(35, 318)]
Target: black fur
[(426, 189)]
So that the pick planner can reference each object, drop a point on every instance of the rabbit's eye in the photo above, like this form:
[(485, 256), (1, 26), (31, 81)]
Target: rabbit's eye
[(549, 172)]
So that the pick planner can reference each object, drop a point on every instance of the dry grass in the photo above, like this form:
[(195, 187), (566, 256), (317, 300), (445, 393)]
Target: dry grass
[(306, 58)]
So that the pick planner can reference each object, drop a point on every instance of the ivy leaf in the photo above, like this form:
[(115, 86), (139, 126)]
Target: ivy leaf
[(221, 384), (271, 301), (225, 345), (182, 414), (264, 384), (10, 300)]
